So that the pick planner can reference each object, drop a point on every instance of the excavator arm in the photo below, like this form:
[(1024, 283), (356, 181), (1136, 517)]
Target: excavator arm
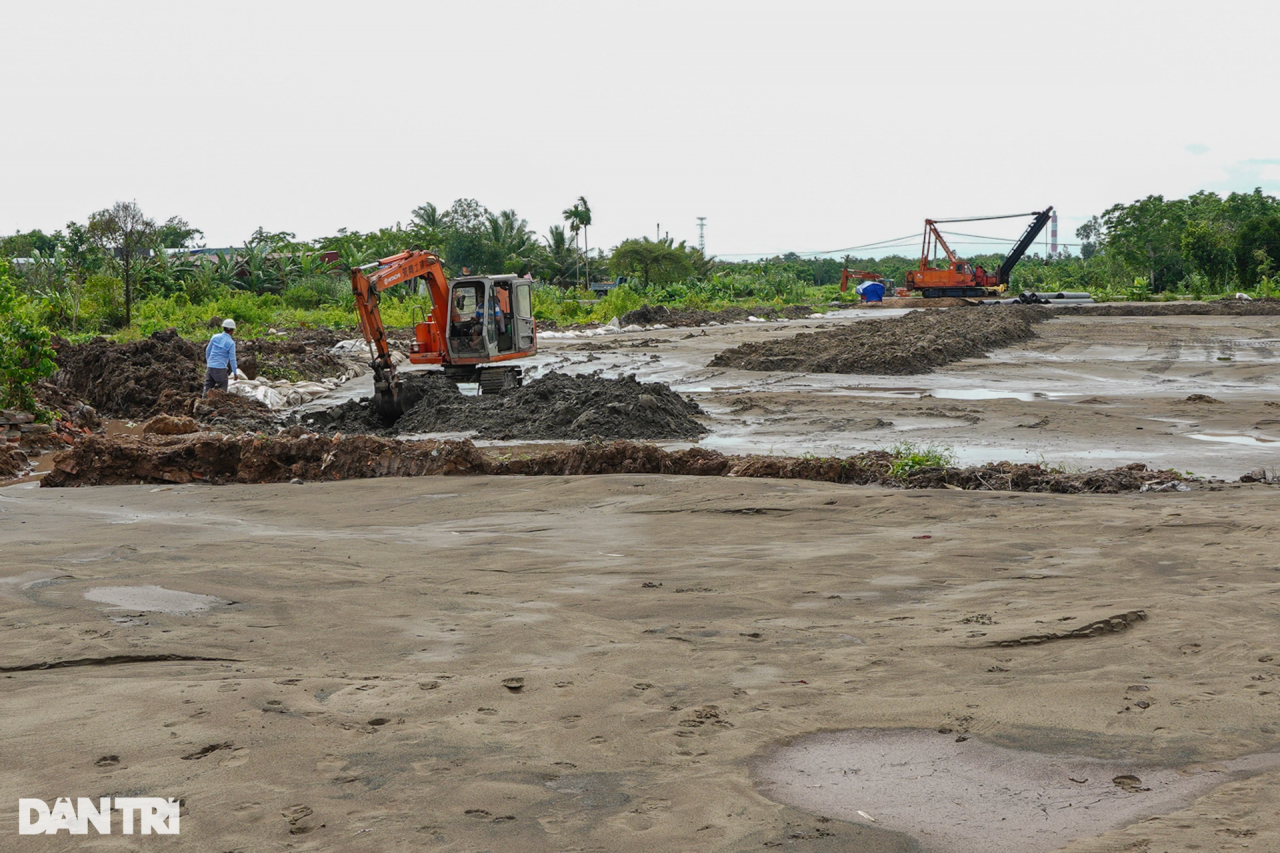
[(367, 283), (846, 274)]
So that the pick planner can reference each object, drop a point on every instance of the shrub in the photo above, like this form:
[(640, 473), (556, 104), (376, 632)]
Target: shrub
[(25, 352), (103, 302), (316, 290), (908, 458)]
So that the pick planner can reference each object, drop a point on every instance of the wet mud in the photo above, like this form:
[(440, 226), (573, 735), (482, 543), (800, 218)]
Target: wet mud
[(218, 459), (1217, 308), (916, 343), (553, 406), (652, 315)]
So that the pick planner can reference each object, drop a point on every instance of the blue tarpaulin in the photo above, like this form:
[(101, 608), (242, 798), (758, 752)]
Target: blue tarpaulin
[(871, 291)]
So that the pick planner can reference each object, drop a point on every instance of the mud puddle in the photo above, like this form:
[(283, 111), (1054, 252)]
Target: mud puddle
[(1246, 440), (961, 795), (153, 598)]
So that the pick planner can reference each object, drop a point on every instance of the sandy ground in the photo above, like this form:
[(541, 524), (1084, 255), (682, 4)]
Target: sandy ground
[(332, 666), (668, 632), (1085, 393)]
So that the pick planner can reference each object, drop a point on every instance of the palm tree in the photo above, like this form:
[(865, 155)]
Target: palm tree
[(584, 217), (573, 215), (511, 237), (557, 258)]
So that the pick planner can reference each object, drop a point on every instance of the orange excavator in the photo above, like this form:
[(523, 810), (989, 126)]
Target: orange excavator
[(846, 275), (477, 324), (962, 278)]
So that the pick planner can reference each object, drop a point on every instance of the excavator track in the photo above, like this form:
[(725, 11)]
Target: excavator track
[(499, 380)]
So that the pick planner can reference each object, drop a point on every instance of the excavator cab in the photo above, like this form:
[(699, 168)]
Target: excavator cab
[(490, 318)]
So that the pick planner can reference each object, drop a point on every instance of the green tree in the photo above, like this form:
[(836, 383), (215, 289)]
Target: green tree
[(1259, 234), (125, 232), (556, 260), (23, 245), (26, 356), (1206, 248), (175, 233), (512, 241), (468, 248), (1090, 236), (655, 261), (579, 218), (1147, 236), (427, 227)]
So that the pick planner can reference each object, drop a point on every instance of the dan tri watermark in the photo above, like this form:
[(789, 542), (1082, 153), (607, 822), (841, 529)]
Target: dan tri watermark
[(147, 814)]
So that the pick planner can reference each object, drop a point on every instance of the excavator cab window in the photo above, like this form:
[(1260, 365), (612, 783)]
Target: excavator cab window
[(466, 315), (500, 308)]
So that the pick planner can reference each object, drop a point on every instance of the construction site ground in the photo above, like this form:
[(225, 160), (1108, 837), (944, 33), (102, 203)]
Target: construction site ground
[(1084, 392), (621, 662)]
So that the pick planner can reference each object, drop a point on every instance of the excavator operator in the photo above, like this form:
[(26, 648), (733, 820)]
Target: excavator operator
[(466, 328)]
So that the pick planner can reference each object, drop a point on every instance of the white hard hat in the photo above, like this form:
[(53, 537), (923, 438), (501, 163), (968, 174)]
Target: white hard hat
[(228, 323)]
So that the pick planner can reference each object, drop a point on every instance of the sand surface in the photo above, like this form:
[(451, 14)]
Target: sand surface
[(358, 690)]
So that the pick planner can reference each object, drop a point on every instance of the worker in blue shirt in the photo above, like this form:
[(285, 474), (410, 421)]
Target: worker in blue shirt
[(220, 358)]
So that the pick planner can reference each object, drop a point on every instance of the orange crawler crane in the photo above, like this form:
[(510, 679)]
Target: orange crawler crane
[(962, 278), (474, 322)]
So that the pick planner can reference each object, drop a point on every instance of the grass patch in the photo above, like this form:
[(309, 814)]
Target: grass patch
[(909, 458)]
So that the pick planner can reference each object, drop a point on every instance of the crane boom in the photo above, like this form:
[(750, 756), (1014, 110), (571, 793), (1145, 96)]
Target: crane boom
[(1024, 243)]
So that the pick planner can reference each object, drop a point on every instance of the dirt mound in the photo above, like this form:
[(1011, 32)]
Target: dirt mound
[(303, 355), (214, 458), (218, 459), (554, 406), (13, 462), (125, 380), (1201, 398), (1220, 307), (652, 315), (164, 374), (219, 411), (915, 343)]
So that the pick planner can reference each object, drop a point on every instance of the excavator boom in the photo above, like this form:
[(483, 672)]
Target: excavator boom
[(367, 283), (847, 274)]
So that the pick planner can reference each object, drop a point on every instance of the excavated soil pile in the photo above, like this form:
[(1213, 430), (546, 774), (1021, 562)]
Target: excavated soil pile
[(219, 411), (554, 406), (12, 462), (214, 458), (652, 315), (126, 380), (164, 374), (915, 343), (1220, 307), (303, 355)]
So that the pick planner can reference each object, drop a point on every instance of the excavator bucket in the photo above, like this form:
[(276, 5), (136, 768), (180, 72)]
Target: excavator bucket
[(390, 401), (386, 406)]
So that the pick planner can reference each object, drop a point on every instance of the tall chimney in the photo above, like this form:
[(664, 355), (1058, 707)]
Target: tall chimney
[(1053, 235)]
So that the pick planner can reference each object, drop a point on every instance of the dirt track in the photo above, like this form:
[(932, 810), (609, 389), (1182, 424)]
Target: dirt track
[(545, 664)]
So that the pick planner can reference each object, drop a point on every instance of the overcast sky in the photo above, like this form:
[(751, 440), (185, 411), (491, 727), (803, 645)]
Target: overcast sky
[(792, 126)]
